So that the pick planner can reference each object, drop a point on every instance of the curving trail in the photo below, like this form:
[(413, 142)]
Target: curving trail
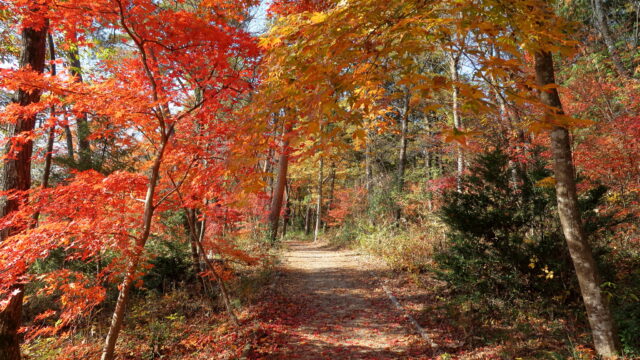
[(334, 308)]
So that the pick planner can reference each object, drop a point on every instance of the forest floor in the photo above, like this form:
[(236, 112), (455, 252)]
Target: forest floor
[(322, 302), (329, 303), (333, 306)]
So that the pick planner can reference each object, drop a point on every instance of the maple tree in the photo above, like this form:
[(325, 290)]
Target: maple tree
[(176, 110)]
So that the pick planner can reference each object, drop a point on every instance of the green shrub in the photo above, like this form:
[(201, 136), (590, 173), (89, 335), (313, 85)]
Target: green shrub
[(171, 265), (505, 237)]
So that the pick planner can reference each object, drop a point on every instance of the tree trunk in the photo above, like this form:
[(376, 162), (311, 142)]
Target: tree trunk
[(198, 238), (82, 132), (223, 288), (402, 154), (192, 218), (319, 204), (287, 212), (595, 301), (69, 137), (127, 283), (603, 28), (368, 163), (17, 176), (266, 170), (48, 156), (281, 183), (195, 257), (51, 136), (332, 185), (10, 321), (505, 119), (454, 61)]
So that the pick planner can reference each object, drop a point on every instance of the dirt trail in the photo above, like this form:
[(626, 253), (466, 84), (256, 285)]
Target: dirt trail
[(336, 309)]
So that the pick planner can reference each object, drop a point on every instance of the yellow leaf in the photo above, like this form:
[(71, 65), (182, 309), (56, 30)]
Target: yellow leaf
[(547, 182), (318, 18)]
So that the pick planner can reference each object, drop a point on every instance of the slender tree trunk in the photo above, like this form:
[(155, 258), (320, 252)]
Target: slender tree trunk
[(198, 239), (223, 288), (368, 163), (279, 188), (51, 136), (287, 212), (402, 153), (267, 162), (455, 111), (319, 204), (596, 303), (82, 132), (603, 27), (270, 165), (69, 137), (46, 174), (127, 283), (505, 119), (17, 176), (428, 162), (369, 175), (192, 218), (332, 185), (195, 257), (266, 170)]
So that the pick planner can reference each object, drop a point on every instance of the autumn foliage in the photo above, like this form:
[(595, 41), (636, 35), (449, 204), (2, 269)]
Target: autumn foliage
[(170, 123)]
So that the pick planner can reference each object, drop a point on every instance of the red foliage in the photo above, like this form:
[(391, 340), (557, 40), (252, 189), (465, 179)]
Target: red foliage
[(146, 102), (346, 203)]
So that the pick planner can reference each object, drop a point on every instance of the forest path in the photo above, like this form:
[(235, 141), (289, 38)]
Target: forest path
[(335, 308)]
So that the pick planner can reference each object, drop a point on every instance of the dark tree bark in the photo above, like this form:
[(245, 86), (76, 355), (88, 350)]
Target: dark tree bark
[(191, 217), (223, 288), (17, 176), (596, 303), (197, 237), (281, 183), (287, 211), (332, 185), (51, 136), (266, 169), (48, 157), (69, 137)]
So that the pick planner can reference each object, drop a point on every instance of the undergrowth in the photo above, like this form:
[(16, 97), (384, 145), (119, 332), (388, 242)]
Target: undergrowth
[(169, 322)]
